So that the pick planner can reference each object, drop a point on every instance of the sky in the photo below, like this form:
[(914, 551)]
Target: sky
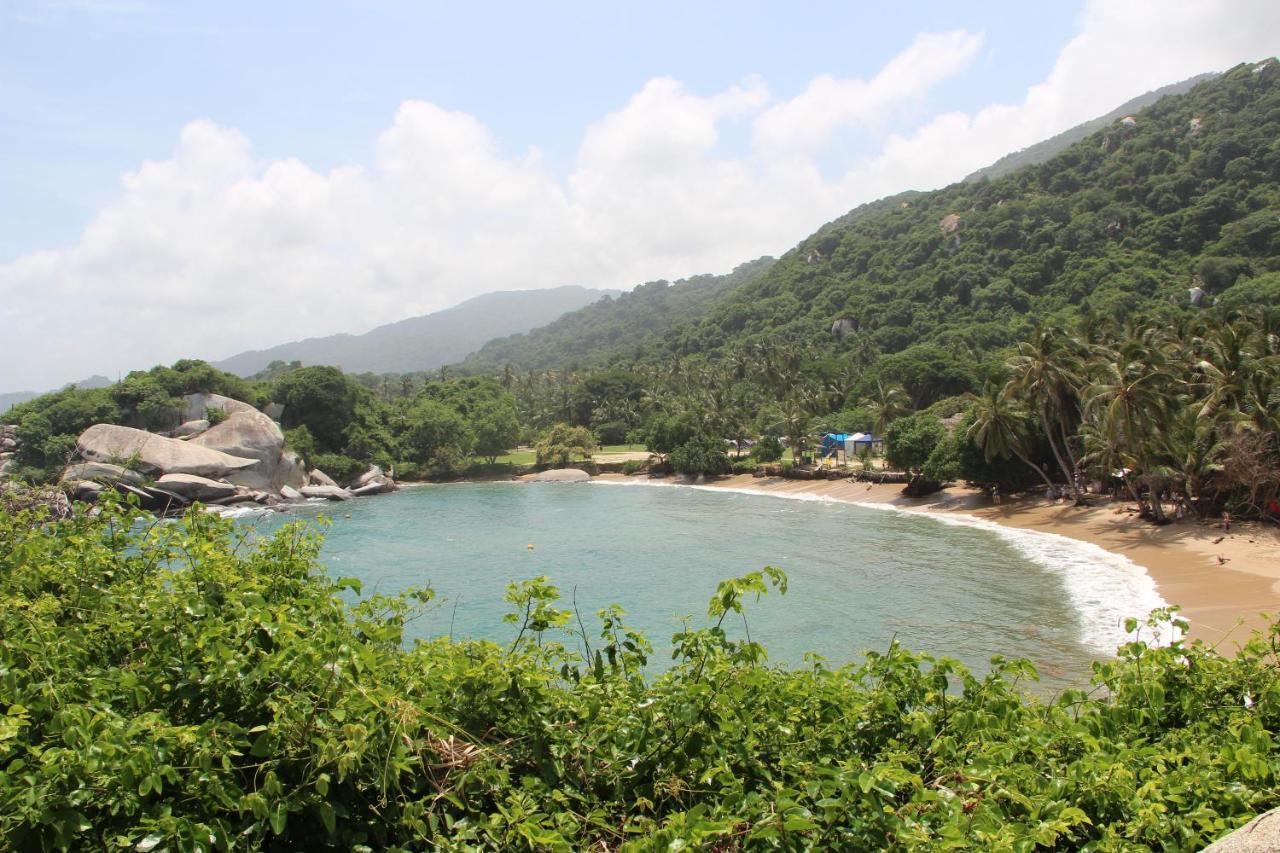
[(192, 180)]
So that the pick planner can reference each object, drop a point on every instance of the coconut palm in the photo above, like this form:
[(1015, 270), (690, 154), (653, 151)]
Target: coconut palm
[(887, 403), (1046, 373), (999, 428), (1190, 450), (1128, 407)]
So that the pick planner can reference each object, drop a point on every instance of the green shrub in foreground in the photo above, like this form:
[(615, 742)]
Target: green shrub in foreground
[(166, 686)]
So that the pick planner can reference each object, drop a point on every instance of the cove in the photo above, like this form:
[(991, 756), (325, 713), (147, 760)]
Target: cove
[(859, 577)]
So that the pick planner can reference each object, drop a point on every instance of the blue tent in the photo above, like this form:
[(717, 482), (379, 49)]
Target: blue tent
[(834, 442)]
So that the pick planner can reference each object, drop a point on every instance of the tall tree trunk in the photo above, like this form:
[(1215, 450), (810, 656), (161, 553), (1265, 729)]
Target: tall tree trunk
[(1034, 467), (1053, 444)]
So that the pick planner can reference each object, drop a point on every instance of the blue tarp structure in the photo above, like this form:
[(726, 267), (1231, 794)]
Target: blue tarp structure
[(834, 442)]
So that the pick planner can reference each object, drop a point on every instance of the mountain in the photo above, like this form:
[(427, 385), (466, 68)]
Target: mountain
[(1042, 151), (1120, 223), (13, 398), (426, 342), (627, 327)]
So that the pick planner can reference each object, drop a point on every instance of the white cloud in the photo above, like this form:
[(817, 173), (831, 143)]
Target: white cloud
[(805, 122), (211, 250)]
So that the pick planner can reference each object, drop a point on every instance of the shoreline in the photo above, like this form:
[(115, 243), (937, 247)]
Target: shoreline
[(1223, 601)]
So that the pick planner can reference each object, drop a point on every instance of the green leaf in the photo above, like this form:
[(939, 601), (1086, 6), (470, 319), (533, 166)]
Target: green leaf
[(279, 817)]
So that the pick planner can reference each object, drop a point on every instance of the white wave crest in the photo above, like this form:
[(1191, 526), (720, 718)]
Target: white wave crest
[(1104, 588)]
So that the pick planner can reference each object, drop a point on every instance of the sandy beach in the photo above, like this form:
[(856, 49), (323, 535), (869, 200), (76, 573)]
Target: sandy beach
[(1223, 582)]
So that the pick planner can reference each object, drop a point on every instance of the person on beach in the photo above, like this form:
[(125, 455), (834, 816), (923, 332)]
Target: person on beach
[(1226, 521)]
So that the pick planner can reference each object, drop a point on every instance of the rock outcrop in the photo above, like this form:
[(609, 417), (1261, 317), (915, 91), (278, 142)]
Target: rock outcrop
[(193, 488), (333, 493), (290, 472), (373, 482), (155, 454), (197, 406), (1260, 835), (320, 478), (559, 475), (251, 435), (103, 472), (190, 428)]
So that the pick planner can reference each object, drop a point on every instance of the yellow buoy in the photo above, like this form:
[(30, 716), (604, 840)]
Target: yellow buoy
[(530, 546)]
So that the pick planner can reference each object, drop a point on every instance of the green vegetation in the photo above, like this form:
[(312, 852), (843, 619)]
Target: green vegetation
[(701, 455), (1189, 411), (563, 444), (627, 328), (169, 687), (48, 425)]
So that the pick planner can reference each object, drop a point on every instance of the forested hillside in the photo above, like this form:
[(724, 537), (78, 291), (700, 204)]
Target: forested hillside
[(631, 327), (1127, 220), (1045, 149)]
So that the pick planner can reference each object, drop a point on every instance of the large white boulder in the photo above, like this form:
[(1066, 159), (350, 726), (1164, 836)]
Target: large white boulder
[(373, 482), (251, 435), (560, 475), (195, 488), (290, 472), (190, 428), (333, 493), (1260, 835), (320, 478), (152, 453), (196, 406), (102, 471)]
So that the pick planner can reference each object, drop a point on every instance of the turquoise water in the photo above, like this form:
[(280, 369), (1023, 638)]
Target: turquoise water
[(859, 577)]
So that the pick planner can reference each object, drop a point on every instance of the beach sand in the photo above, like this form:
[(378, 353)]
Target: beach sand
[(1224, 601)]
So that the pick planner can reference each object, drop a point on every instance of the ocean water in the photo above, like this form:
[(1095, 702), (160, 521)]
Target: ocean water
[(859, 576)]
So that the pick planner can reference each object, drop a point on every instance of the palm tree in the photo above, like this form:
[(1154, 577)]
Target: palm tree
[(999, 428), (795, 426), (1128, 406), (1190, 450), (887, 403), (1045, 372)]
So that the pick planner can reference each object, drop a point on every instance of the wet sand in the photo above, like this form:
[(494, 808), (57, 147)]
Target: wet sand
[(1223, 582)]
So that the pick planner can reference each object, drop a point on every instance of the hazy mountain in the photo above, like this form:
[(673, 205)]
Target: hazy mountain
[(13, 398), (426, 342), (1042, 151), (628, 327)]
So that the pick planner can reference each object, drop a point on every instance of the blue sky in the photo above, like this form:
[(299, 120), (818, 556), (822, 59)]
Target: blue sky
[(181, 179), (92, 88)]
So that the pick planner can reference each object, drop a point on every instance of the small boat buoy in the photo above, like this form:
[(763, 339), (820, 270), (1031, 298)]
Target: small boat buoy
[(530, 546)]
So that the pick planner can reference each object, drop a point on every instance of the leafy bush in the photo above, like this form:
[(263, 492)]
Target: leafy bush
[(612, 432), (276, 715), (910, 440), (744, 466), (343, 469), (564, 443), (701, 455), (634, 466), (768, 449), (216, 416), (300, 440)]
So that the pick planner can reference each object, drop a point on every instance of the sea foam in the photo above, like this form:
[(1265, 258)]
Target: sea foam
[(1104, 588)]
